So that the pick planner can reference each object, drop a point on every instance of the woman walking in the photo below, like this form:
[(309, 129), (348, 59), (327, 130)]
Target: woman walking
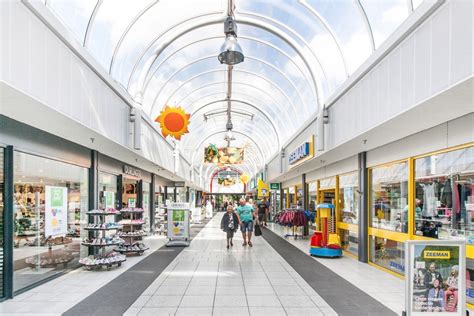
[(230, 224)]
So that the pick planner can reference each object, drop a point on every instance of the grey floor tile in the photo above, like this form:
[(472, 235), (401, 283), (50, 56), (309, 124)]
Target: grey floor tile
[(197, 301), (307, 311), (158, 311), (235, 301)]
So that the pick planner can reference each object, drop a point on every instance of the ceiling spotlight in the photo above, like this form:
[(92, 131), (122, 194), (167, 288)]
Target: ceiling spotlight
[(230, 52)]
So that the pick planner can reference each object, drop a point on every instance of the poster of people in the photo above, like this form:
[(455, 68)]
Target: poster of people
[(435, 277), (55, 211)]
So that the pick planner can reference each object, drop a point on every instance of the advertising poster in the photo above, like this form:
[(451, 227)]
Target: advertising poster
[(55, 211), (109, 199), (436, 271), (178, 221), (223, 155), (132, 202)]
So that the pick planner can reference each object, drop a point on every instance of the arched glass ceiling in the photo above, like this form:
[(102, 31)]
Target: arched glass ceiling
[(297, 54)]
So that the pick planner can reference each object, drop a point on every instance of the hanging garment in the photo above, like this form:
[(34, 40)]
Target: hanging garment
[(456, 200), (429, 200), (446, 196)]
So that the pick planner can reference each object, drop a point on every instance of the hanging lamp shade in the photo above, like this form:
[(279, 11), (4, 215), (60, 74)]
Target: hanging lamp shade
[(231, 52)]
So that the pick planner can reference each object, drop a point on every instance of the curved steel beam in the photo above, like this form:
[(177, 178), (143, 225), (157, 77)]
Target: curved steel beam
[(367, 23), (329, 30), (248, 104), (248, 21), (250, 73), (235, 93), (91, 21), (127, 29), (212, 57), (181, 101), (149, 76)]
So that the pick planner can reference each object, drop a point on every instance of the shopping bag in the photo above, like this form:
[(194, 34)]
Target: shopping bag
[(258, 230)]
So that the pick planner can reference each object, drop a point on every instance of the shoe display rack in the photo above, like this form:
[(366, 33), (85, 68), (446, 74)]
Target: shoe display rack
[(132, 232), (100, 241)]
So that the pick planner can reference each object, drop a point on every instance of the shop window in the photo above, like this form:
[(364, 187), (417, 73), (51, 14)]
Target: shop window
[(2, 186), (389, 197), (291, 196), (387, 253), (146, 206), (327, 183), (107, 191), (50, 205), (299, 197), (181, 195), (350, 241), (349, 197), (444, 204), (312, 196), (470, 281), (170, 194), (129, 193)]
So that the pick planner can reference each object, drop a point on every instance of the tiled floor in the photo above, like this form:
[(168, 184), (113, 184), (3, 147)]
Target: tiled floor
[(384, 287), (208, 279), (57, 296)]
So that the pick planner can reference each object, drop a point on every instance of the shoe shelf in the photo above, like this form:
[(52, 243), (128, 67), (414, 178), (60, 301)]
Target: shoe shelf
[(98, 227), (132, 231)]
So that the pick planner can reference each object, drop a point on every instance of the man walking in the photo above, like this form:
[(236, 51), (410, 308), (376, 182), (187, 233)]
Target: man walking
[(245, 212), (262, 212)]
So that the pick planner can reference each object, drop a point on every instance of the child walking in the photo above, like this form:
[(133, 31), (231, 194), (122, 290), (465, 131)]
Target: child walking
[(230, 224)]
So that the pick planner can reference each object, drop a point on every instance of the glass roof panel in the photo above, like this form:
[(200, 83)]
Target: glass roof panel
[(353, 35), (74, 14), (165, 15), (110, 22), (384, 17)]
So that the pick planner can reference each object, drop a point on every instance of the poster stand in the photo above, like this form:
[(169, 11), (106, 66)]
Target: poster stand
[(178, 225), (435, 274)]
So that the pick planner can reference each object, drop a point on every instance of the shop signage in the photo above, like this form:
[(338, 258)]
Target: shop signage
[(55, 211), (132, 171), (178, 224), (302, 152), (180, 184), (274, 186), (434, 280)]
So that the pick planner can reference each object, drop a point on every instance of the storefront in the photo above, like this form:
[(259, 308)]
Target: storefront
[(348, 206), (48, 197)]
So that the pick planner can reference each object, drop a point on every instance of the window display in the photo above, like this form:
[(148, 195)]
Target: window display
[(291, 196), (349, 197), (387, 253), (312, 196), (146, 207), (349, 241), (1, 222), (107, 191), (129, 193), (50, 205), (444, 195), (389, 197), (181, 195), (170, 194)]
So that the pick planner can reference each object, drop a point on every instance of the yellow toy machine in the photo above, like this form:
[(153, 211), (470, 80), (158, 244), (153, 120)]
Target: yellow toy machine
[(326, 242)]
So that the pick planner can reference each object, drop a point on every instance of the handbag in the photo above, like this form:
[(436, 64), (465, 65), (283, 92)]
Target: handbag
[(258, 230)]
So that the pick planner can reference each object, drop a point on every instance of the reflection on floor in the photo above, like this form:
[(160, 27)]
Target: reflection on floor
[(208, 279)]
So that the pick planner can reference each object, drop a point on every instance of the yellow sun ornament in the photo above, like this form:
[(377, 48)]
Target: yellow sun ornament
[(173, 122)]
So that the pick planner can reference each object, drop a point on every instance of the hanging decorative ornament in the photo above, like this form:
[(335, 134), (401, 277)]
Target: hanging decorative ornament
[(173, 122), (244, 178)]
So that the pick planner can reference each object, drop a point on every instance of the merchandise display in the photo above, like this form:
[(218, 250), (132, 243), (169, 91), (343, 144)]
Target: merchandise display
[(326, 243), (100, 239), (132, 231), (103, 226), (107, 260), (50, 259), (294, 219)]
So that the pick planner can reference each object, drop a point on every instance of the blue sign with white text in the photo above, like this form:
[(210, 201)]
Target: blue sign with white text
[(299, 153)]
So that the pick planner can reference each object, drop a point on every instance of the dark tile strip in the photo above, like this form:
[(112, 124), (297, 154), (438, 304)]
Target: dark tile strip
[(341, 295), (116, 297)]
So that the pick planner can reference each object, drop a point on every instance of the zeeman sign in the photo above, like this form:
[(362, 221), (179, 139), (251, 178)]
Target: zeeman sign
[(302, 152), (436, 254)]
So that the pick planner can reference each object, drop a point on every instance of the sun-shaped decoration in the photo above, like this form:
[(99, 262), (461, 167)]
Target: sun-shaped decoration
[(173, 122)]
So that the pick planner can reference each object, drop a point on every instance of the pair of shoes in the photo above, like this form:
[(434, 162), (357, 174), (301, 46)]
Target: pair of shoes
[(227, 246), (244, 244), (231, 244), (250, 244)]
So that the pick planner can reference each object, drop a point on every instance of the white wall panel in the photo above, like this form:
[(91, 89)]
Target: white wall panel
[(408, 72), (461, 44), (422, 62), (35, 61), (440, 29)]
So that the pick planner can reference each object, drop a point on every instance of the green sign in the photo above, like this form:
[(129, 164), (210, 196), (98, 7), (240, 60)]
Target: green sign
[(274, 186), (57, 197), (178, 216)]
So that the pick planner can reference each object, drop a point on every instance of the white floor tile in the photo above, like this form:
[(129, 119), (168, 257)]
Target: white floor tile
[(267, 311), (163, 301), (230, 311), (263, 301), (227, 301), (197, 301)]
